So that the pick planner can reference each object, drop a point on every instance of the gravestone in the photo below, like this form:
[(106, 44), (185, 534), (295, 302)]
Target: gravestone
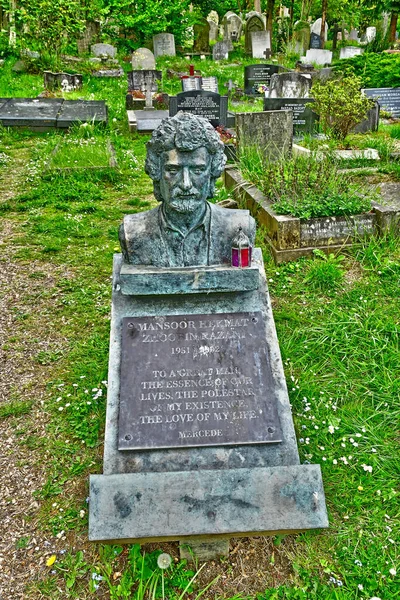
[(63, 81), (209, 84), (316, 34), (353, 35), (350, 51), (143, 58), (254, 22), (138, 80), (199, 434), (315, 41), (208, 105), (388, 98), (371, 121), (257, 78), (319, 57), (74, 112), (301, 38), (369, 36), (201, 33), (232, 25), (213, 31), (164, 44), (190, 83), (103, 50), (260, 42), (90, 33), (220, 51), (304, 119), (271, 132), (290, 85)]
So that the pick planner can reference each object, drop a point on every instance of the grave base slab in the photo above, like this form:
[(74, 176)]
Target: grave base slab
[(146, 507)]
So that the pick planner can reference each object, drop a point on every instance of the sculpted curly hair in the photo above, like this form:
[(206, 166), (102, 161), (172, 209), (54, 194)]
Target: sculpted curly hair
[(185, 132)]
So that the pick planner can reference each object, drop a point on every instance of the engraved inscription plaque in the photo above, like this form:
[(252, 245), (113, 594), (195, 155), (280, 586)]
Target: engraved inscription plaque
[(209, 105), (196, 380)]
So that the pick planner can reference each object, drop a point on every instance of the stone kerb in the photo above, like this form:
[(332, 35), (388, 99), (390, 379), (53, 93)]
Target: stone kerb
[(290, 238)]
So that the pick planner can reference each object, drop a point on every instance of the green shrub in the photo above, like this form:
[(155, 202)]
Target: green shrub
[(304, 187), (340, 105), (375, 70)]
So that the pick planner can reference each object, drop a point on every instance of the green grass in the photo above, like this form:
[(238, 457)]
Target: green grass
[(338, 328)]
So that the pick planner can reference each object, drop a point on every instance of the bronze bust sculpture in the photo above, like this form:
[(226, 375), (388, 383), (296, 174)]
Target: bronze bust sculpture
[(185, 156)]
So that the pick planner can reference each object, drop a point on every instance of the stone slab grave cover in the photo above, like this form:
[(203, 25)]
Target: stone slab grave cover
[(318, 57), (203, 355), (257, 78), (304, 119), (220, 51), (388, 98), (290, 85), (210, 105), (271, 132), (101, 50), (164, 44), (201, 34), (232, 26), (350, 51), (145, 121), (31, 112), (260, 42), (254, 22), (73, 112), (143, 58)]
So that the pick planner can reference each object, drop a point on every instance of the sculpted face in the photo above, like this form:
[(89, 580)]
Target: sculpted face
[(185, 179)]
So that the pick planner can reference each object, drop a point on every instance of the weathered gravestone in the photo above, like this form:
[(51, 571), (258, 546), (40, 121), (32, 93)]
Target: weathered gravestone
[(232, 25), (350, 51), (209, 105), (318, 57), (304, 119), (301, 37), (101, 50), (220, 51), (141, 82), (164, 44), (213, 31), (201, 33), (199, 435), (290, 85), (388, 98), (316, 35), (209, 84), (257, 78), (270, 132), (143, 58), (260, 42), (190, 83), (62, 81), (254, 22)]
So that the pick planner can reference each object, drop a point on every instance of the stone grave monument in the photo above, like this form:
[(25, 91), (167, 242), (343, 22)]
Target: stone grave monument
[(201, 33), (260, 42), (143, 58), (315, 34), (257, 78), (103, 50), (304, 119), (254, 22), (147, 119), (350, 51), (290, 85), (220, 51), (232, 25), (318, 57), (199, 442), (138, 82), (271, 132), (213, 31), (301, 37), (164, 44), (388, 98), (66, 82), (209, 105)]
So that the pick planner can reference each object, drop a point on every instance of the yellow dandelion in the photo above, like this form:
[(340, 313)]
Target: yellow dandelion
[(51, 560)]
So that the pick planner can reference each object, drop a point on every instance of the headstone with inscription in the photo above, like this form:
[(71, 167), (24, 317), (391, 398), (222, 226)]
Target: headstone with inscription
[(290, 85), (104, 50), (318, 57), (209, 105), (254, 22), (213, 35), (164, 44), (209, 84), (260, 42), (271, 132), (257, 78), (199, 441), (388, 98), (143, 58), (350, 51), (232, 25), (220, 51), (304, 119), (316, 33)]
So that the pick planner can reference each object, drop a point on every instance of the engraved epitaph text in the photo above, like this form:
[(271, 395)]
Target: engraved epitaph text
[(196, 380)]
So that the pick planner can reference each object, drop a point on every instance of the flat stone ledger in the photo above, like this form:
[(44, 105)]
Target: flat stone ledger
[(220, 392)]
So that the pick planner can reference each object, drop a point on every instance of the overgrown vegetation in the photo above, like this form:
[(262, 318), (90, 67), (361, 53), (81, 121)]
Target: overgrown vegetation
[(304, 186)]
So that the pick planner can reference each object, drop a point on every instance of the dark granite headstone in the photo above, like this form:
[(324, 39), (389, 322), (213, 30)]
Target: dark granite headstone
[(31, 112), (258, 77), (216, 395), (82, 111), (209, 105), (388, 98), (315, 41), (304, 119)]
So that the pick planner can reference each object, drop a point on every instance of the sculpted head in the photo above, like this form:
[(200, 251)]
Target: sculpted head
[(185, 157)]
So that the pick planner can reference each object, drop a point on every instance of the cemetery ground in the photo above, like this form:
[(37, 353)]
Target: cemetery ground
[(337, 318)]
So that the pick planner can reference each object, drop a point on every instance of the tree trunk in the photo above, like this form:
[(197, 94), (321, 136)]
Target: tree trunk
[(257, 5), (12, 40), (393, 27), (270, 18), (335, 34), (323, 21)]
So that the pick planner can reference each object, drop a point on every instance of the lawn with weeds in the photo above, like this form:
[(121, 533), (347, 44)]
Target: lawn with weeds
[(338, 328)]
